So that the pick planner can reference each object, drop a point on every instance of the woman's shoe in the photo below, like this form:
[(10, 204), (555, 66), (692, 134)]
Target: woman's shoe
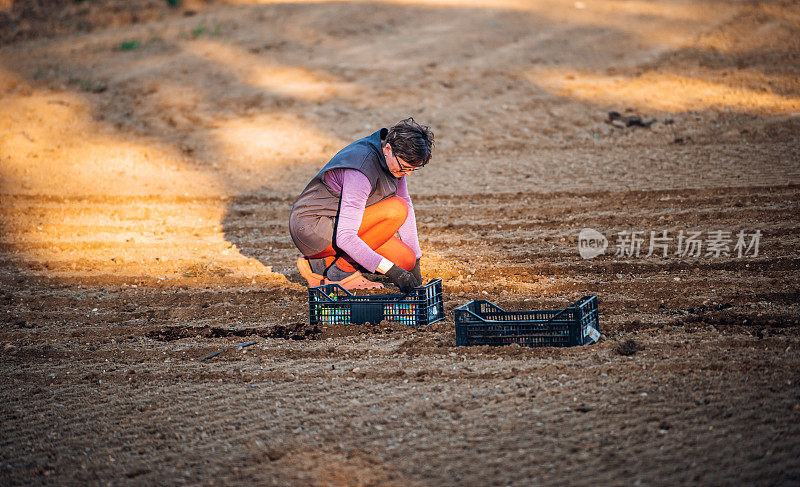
[(355, 281), (304, 267)]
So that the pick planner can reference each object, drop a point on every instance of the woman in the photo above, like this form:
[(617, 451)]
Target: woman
[(346, 217)]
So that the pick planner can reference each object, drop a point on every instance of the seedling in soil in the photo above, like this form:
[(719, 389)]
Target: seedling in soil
[(202, 29), (197, 32), (88, 86), (97, 87), (129, 45)]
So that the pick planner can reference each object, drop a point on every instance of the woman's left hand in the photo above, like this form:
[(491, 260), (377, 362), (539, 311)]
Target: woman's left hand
[(417, 273)]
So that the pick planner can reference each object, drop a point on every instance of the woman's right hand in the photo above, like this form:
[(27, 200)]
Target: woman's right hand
[(402, 278)]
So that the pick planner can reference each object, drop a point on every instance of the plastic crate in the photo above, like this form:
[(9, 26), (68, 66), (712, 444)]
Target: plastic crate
[(481, 322), (331, 304)]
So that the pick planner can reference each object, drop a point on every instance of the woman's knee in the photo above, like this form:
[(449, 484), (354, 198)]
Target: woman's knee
[(407, 260), (395, 208)]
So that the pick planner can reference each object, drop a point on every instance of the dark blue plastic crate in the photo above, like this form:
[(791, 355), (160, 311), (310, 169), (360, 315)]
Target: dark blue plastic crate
[(331, 304), (481, 322)]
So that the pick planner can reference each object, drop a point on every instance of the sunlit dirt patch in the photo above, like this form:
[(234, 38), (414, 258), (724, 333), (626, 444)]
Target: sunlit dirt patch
[(266, 150), (114, 204), (334, 467), (660, 91), (295, 82), (649, 22)]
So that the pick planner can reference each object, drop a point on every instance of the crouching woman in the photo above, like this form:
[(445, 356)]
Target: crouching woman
[(345, 220)]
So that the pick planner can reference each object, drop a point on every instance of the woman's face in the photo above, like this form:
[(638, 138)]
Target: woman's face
[(397, 166)]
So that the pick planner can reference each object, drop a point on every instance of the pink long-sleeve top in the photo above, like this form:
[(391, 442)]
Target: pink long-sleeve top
[(355, 188)]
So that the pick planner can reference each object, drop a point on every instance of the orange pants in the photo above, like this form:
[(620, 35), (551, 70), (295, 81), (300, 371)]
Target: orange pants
[(378, 226)]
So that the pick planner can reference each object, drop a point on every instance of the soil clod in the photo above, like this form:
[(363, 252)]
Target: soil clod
[(624, 121), (628, 348)]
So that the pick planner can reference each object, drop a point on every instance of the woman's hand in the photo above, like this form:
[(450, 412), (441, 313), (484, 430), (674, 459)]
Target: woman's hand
[(417, 273), (402, 278)]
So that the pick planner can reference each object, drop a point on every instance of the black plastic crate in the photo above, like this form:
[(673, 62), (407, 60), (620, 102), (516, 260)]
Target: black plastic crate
[(481, 322), (331, 304)]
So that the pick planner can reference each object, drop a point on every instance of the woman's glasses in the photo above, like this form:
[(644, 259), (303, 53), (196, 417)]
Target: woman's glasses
[(406, 168)]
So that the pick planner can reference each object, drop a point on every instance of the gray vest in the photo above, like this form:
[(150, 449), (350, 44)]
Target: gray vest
[(364, 155)]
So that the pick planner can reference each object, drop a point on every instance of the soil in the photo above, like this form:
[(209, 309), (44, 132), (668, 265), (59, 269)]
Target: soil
[(149, 157)]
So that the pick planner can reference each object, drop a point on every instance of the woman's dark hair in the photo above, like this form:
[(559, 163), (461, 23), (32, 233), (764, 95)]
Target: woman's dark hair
[(411, 141)]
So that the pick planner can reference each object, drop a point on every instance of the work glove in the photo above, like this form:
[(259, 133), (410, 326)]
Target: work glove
[(417, 273), (402, 278)]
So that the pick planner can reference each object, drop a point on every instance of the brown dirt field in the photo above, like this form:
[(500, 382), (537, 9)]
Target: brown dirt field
[(149, 157)]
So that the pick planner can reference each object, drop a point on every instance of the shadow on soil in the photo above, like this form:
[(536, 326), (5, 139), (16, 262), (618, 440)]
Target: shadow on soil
[(257, 223), (293, 331)]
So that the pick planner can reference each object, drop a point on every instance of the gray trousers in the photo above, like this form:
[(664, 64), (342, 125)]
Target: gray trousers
[(311, 235)]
